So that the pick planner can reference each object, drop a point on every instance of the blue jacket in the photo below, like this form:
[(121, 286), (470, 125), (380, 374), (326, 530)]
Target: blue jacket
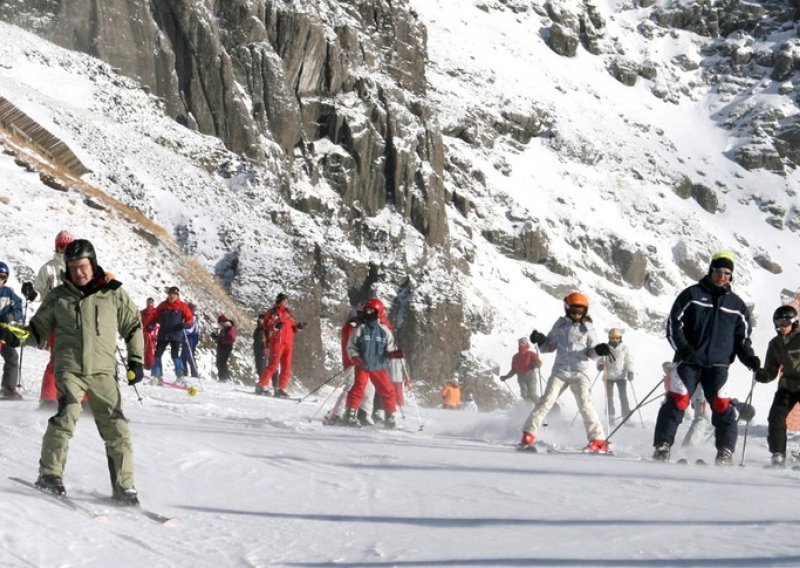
[(714, 321), (10, 305), (371, 341)]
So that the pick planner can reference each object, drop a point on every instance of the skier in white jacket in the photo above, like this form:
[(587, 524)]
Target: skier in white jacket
[(573, 339), (618, 371)]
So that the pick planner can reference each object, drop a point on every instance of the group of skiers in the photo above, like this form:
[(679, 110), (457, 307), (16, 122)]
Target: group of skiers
[(708, 327)]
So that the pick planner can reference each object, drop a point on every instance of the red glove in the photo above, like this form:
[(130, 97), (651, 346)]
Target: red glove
[(397, 354), (357, 361)]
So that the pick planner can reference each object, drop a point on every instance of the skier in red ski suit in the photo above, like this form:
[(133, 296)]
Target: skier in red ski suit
[(280, 329)]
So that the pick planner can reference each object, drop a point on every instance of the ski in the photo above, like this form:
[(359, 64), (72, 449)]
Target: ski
[(289, 398), (609, 454), (63, 500), (153, 516)]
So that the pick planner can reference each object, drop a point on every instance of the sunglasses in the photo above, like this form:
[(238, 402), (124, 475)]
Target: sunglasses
[(722, 272), (576, 310)]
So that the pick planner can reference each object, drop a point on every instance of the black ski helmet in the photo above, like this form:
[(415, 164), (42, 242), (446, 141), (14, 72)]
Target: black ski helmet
[(78, 249), (785, 313)]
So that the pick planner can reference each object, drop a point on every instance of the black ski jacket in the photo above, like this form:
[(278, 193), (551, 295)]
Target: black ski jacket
[(712, 320)]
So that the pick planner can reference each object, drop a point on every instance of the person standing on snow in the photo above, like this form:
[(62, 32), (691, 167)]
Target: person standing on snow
[(524, 364), (150, 334), (470, 405), (364, 414), (225, 338), (783, 358), (370, 347), (48, 277), (10, 311), (87, 312), (708, 327), (573, 339), (618, 370), (280, 331), (172, 316), (451, 395), (191, 338), (259, 347)]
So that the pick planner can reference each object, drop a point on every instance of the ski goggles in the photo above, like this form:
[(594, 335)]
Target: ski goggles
[(722, 272), (577, 310), (783, 323)]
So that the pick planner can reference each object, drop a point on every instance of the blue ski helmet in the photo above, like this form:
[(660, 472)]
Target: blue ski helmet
[(4, 269)]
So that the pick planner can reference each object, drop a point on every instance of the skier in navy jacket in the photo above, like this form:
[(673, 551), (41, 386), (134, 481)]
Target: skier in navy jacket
[(708, 327)]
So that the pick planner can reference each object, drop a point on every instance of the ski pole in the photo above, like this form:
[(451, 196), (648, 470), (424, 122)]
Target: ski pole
[(191, 355), (513, 394), (413, 395), (747, 424), (122, 360), (324, 402), (638, 406), (325, 382), (571, 422), (633, 390), (22, 347)]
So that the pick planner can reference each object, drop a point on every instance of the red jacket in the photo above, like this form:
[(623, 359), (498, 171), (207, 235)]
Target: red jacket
[(283, 333), (170, 319), (525, 360)]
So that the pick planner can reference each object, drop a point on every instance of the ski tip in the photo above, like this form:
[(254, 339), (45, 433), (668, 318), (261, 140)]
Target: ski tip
[(172, 522)]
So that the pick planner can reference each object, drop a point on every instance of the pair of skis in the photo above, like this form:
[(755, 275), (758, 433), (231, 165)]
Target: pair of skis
[(73, 505)]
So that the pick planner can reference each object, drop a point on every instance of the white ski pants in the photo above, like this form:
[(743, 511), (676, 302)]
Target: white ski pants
[(579, 384)]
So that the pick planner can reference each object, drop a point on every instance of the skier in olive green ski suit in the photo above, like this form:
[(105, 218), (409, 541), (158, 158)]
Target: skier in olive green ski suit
[(86, 312)]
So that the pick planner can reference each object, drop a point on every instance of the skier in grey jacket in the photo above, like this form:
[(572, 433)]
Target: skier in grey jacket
[(573, 339)]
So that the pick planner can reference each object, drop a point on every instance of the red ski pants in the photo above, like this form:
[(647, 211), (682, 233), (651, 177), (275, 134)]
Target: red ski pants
[(383, 388), (279, 355)]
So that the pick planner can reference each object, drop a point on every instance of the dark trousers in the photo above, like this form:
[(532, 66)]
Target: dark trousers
[(711, 380), (782, 405), (223, 354), (10, 366)]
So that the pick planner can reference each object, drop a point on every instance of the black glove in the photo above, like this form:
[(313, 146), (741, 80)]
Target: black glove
[(538, 337), (504, 378), (752, 362), (135, 373), (687, 354), (188, 325), (278, 325), (8, 338), (28, 291), (762, 376), (604, 350), (396, 354), (301, 325)]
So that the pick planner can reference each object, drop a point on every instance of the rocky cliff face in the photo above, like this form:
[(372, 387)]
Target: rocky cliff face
[(319, 94)]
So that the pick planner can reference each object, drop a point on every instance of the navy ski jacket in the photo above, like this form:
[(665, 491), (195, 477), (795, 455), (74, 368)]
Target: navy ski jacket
[(714, 321)]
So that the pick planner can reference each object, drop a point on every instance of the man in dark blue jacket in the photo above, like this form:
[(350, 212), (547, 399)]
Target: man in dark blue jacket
[(708, 327)]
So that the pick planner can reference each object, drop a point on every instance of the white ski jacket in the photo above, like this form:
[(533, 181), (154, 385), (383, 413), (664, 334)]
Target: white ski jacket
[(574, 346), (619, 368), (49, 276)]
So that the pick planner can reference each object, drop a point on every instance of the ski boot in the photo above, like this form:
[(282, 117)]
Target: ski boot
[(51, 484), (724, 457), (597, 446), (364, 418), (377, 418), (280, 393), (778, 459), (11, 393), (389, 422), (351, 419), (661, 454), (263, 391), (527, 441), (128, 497), (331, 420)]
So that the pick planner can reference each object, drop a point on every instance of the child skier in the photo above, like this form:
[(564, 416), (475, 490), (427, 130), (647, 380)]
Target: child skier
[(573, 340)]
